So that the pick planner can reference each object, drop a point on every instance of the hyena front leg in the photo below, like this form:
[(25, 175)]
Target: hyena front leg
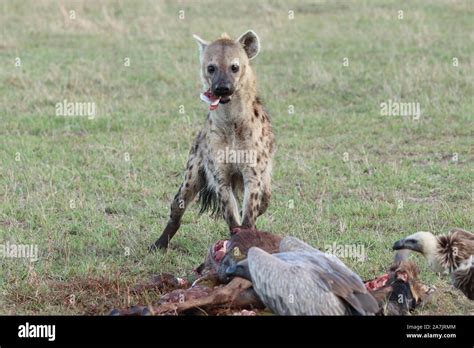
[(251, 201), (186, 193)]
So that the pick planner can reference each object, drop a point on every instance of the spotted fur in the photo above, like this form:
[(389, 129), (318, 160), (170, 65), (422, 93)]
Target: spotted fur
[(242, 124)]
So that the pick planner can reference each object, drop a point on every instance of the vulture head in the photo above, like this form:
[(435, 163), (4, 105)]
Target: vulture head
[(227, 253), (453, 253), (425, 243)]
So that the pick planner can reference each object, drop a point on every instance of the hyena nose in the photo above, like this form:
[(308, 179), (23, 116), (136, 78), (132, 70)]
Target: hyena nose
[(223, 89)]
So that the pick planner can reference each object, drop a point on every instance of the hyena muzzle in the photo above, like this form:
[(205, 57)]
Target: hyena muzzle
[(232, 155)]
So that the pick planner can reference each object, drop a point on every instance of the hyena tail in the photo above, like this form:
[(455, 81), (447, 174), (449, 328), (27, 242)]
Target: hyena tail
[(208, 197)]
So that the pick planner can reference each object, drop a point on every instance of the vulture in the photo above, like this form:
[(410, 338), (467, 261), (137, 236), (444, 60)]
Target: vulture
[(301, 280), (453, 253)]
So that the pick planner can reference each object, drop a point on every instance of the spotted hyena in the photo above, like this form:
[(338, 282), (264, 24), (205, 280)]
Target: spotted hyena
[(232, 154)]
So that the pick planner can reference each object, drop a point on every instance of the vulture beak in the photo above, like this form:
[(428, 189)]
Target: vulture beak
[(408, 243)]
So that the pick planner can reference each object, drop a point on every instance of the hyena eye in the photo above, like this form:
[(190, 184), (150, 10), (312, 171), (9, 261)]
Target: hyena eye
[(234, 68), (211, 69)]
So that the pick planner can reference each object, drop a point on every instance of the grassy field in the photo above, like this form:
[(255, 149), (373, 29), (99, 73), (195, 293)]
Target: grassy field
[(87, 191)]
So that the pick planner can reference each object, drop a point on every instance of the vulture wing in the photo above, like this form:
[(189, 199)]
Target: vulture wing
[(467, 238), (463, 279), (344, 283), (294, 244), (339, 279), (288, 288), (308, 283)]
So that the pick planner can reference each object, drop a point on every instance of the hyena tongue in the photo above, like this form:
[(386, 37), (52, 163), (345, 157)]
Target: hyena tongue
[(211, 99)]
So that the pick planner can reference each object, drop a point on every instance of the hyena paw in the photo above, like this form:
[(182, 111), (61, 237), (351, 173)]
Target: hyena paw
[(158, 245)]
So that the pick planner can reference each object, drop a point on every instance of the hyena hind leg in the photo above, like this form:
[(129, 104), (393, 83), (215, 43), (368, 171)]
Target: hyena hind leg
[(186, 193), (228, 206)]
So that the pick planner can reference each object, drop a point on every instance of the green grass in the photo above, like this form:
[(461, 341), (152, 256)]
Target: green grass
[(122, 204)]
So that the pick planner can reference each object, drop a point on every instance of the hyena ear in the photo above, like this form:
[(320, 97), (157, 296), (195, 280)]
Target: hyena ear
[(250, 42), (202, 44)]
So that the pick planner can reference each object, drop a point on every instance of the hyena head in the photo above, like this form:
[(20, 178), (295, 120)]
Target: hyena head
[(225, 63)]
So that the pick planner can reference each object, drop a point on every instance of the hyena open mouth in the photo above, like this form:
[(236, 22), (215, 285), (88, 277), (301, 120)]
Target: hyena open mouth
[(214, 100)]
